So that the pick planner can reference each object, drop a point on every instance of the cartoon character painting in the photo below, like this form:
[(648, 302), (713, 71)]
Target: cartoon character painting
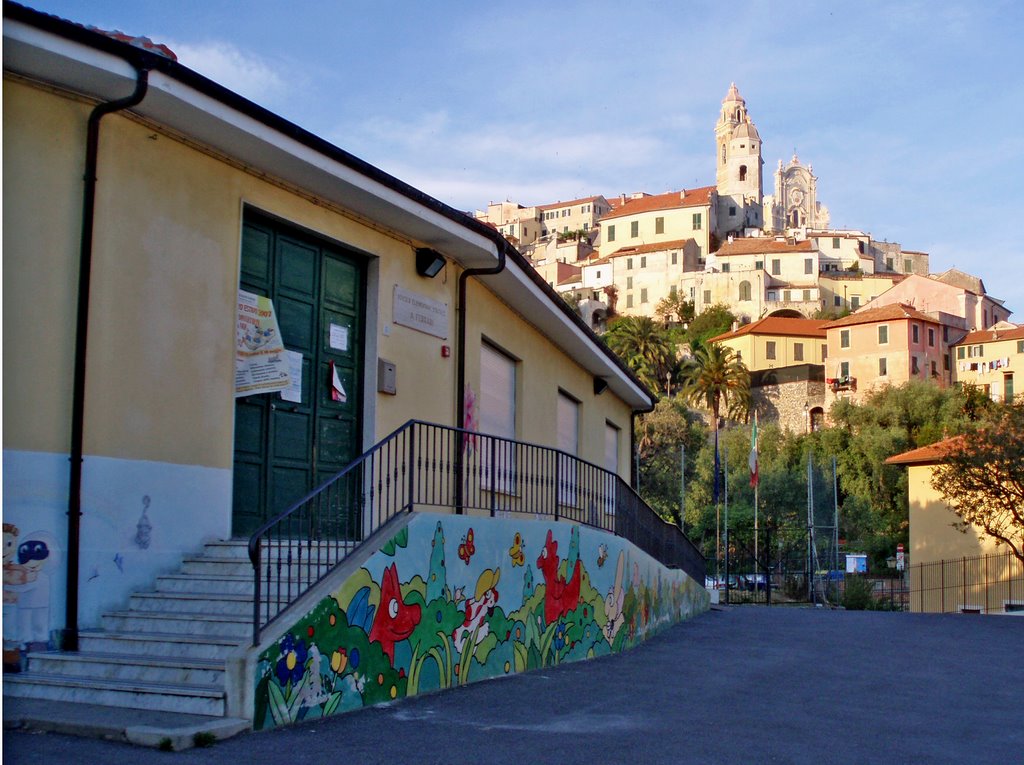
[(517, 552), (395, 620), (477, 610), (561, 595)]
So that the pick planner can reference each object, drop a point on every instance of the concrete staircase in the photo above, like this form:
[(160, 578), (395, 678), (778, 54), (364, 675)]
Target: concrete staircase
[(166, 652)]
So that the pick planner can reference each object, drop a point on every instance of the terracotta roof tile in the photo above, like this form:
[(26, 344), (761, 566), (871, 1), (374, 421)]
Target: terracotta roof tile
[(779, 325), (893, 312), (570, 203), (993, 335), (754, 245), (928, 455), (673, 200), (640, 249)]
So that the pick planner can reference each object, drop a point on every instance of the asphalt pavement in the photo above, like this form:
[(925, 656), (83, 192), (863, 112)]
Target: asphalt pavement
[(738, 685)]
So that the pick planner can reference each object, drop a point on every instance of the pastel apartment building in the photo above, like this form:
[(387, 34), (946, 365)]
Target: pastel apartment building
[(993, 360)]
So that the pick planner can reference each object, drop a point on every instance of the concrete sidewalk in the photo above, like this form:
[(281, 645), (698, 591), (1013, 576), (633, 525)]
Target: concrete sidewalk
[(741, 684)]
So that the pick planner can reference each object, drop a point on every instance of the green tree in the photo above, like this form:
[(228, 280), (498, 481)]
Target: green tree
[(661, 435), (645, 347), (715, 379), (711, 322), (674, 309), (982, 478)]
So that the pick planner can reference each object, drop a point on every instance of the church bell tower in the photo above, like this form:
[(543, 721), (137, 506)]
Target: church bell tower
[(738, 160)]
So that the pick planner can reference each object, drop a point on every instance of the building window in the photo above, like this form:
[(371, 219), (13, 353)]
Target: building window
[(696, 221), (798, 351), (758, 265), (889, 265), (659, 225), (1020, 347), (914, 367), (935, 369), (808, 265), (672, 290), (807, 296), (497, 408), (787, 296), (643, 295), (883, 334), (931, 337), (707, 296), (732, 211), (769, 350), (776, 266), (743, 171), (611, 233), (945, 362), (568, 424), (725, 268), (945, 334), (692, 292), (915, 332), (837, 301), (643, 261), (634, 229), (835, 243), (854, 302), (1008, 387), (883, 368), (844, 369), (629, 301), (984, 321), (744, 290), (629, 264), (824, 352), (908, 265), (597, 274), (844, 338), (629, 282), (772, 296), (675, 258)]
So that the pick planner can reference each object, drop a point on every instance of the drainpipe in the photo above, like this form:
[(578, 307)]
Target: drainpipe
[(460, 383), (69, 640)]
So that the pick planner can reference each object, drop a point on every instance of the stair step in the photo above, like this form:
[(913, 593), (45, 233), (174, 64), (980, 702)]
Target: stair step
[(109, 666), (191, 602), (157, 644), (200, 699), (204, 565), (184, 623), (211, 583)]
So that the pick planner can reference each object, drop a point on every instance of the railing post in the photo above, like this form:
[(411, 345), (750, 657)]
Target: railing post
[(256, 556), (412, 467), (558, 473), (494, 475)]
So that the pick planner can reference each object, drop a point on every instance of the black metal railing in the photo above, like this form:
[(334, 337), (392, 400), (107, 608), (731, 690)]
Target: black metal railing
[(423, 465), (980, 584)]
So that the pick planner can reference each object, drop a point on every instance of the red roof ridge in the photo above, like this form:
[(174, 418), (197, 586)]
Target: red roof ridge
[(930, 454)]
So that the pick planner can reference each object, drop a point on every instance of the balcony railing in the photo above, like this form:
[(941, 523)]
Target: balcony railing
[(427, 466)]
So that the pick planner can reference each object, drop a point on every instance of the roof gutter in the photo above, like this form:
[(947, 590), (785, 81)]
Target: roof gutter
[(69, 639)]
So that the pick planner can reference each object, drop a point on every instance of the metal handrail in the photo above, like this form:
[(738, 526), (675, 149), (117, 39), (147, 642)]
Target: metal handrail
[(429, 465)]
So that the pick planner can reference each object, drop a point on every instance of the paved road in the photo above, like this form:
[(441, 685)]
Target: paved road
[(739, 685)]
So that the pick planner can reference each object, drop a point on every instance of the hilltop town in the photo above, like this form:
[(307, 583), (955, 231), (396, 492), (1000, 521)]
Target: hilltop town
[(822, 313)]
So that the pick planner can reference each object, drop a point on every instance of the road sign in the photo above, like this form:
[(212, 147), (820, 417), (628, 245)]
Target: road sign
[(900, 560)]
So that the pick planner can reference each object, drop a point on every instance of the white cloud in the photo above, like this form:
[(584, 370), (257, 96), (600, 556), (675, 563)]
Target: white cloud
[(255, 78)]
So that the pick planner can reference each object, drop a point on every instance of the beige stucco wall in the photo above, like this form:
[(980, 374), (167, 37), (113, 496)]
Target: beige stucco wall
[(988, 378), (542, 370), (160, 380), (754, 350), (678, 224)]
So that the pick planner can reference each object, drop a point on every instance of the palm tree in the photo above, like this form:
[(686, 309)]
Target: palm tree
[(715, 378), (645, 347)]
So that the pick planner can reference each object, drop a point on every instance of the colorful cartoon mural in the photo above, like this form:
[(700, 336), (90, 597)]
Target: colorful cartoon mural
[(394, 630)]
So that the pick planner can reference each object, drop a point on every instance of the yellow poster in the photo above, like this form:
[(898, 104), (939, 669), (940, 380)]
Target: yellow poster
[(261, 363)]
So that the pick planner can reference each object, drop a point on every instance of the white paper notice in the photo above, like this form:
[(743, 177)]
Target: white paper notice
[(339, 337), (294, 391)]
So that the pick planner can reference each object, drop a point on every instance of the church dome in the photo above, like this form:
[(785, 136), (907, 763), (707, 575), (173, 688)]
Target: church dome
[(746, 130)]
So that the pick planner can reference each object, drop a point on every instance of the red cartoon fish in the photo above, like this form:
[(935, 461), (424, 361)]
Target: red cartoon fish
[(394, 620)]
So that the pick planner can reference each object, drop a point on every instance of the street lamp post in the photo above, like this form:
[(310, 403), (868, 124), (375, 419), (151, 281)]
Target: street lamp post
[(807, 418)]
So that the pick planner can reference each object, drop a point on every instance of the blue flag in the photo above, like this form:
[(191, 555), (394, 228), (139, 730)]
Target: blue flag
[(718, 468)]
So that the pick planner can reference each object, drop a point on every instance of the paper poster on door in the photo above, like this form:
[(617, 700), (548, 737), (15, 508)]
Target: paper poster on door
[(337, 389), (260, 362), (293, 392), (339, 337)]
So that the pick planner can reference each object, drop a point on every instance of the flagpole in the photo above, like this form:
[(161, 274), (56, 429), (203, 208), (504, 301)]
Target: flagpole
[(757, 485), (725, 482)]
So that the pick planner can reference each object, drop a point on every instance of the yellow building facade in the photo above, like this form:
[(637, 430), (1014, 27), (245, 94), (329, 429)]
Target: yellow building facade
[(993, 360), (203, 198)]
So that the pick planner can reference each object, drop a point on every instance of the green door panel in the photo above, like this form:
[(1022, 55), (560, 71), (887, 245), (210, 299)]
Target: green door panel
[(283, 449)]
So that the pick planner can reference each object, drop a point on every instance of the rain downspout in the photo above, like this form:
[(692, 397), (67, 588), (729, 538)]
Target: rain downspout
[(69, 639), (460, 383)]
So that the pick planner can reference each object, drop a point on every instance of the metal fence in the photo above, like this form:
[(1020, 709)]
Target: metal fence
[(426, 466), (982, 584)]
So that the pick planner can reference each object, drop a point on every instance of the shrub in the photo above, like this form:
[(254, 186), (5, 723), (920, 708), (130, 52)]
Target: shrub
[(857, 594)]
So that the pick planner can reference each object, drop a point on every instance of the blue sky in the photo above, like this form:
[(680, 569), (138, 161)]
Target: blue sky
[(906, 110)]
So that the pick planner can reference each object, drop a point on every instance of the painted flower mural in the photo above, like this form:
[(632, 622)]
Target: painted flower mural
[(405, 622)]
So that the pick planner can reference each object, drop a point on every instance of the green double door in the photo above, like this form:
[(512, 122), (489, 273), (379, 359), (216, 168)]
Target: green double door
[(283, 449)]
